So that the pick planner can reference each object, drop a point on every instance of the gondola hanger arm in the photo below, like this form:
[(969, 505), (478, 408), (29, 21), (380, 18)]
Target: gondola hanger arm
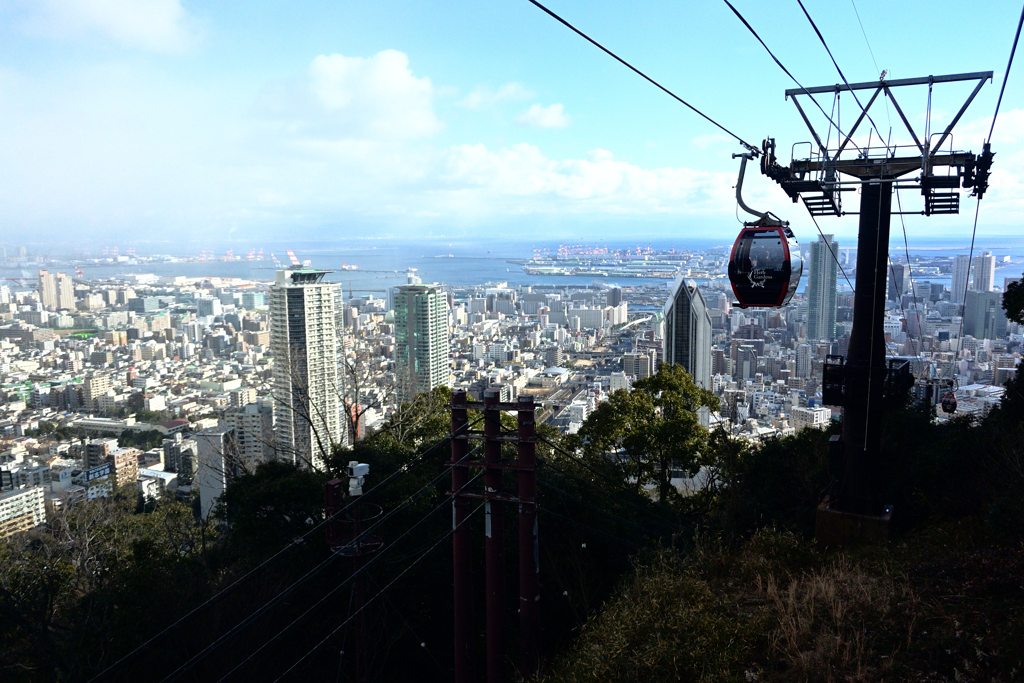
[(739, 185)]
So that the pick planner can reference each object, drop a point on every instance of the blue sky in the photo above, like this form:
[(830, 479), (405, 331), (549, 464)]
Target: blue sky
[(151, 120)]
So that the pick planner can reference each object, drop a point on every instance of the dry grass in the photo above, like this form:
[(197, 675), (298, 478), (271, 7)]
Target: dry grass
[(777, 610), (825, 623)]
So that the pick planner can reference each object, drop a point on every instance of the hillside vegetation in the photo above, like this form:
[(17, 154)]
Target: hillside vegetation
[(724, 585)]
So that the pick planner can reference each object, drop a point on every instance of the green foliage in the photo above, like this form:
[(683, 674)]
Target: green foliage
[(664, 625), (656, 425), (149, 416), (1013, 302), (270, 507), (721, 585), (146, 440), (98, 574)]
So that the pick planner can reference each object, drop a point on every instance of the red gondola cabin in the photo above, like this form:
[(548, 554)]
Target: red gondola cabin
[(765, 265)]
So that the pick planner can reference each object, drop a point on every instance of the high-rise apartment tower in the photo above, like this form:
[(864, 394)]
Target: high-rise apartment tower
[(303, 340), (984, 271), (421, 339), (961, 273), (899, 281), (821, 289)]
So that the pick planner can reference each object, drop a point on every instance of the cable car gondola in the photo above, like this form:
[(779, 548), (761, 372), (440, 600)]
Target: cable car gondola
[(949, 402), (765, 265)]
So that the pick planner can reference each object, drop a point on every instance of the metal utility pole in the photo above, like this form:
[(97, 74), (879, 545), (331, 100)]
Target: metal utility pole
[(462, 552), (494, 498), (494, 543), (345, 537), (529, 549), (857, 512)]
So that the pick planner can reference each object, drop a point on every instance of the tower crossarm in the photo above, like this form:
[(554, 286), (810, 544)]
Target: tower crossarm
[(816, 179), (880, 167)]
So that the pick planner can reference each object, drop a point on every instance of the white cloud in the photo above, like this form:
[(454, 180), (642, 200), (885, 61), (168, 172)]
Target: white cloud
[(482, 96), (523, 177), (551, 116), (347, 141), (343, 97), (1009, 130), (152, 25)]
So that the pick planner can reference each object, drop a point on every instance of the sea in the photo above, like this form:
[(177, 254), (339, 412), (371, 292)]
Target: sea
[(384, 263)]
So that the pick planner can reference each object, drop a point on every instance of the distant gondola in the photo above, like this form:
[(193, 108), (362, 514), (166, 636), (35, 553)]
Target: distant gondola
[(949, 402)]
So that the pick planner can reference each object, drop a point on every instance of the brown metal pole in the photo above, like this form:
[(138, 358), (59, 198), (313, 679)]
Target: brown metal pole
[(494, 544), (462, 553), (529, 550), (360, 595)]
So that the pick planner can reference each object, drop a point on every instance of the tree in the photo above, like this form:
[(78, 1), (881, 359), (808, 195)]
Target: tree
[(150, 416), (657, 425), (363, 388), (1013, 302)]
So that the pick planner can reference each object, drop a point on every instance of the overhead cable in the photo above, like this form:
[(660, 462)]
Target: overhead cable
[(350, 578), (221, 594), (782, 66), (1006, 76), (841, 75), (872, 53), (378, 594), (963, 304), (910, 271), (754, 150), (308, 575), (834, 257)]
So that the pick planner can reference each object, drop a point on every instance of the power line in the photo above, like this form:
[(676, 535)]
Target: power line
[(654, 516), (841, 75), (864, 33), (910, 270), (754, 150), (781, 66), (621, 539), (352, 576), (606, 513), (977, 208), (1006, 76), (308, 575), (220, 595), (391, 583), (423, 643), (873, 60), (618, 484), (834, 257)]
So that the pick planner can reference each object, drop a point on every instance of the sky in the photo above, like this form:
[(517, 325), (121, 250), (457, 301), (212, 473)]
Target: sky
[(137, 121)]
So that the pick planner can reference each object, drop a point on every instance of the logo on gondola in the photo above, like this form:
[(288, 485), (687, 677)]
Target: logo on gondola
[(758, 277)]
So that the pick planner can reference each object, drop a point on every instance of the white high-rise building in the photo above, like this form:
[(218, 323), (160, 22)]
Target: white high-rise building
[(47, 290), (961, 273), (984, 271), (303, 341), (253, 425), (65, 289), (421, 339)]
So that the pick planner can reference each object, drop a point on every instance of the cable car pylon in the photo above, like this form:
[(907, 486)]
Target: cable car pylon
[(855, 510), (765, 264)]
